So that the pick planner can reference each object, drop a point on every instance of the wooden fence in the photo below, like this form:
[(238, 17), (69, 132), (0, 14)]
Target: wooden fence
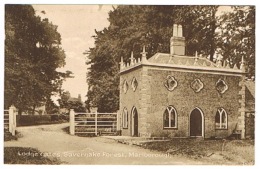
[(93, 123), (10, 120)]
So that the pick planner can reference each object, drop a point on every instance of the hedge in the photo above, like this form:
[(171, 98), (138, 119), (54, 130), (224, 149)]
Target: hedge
[(29, 120)]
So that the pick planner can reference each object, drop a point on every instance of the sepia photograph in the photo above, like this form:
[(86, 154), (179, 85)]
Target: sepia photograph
[(129, 84)]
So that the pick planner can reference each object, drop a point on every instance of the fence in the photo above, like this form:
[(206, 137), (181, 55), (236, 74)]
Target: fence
[(10, 120), (93, 123)]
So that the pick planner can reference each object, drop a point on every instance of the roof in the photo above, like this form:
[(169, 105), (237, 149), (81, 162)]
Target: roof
[(193, 63), (250, 96), (165, 58), (73, 99), (250, 84)]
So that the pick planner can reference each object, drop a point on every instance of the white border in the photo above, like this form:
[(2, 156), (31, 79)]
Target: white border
[(165, 2)]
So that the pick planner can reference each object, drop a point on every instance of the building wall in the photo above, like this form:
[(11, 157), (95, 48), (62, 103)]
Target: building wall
[(184, 100), (130, 98), (249, 114)]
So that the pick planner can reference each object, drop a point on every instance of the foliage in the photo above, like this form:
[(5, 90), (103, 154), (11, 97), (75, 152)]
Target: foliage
[(32, 54), (51, 107), (66, 101), (199, 24), (237, 36), (64, 97)]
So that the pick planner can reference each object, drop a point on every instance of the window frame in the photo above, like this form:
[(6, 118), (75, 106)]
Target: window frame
[(169, 110), (125, 118), (220, 126)]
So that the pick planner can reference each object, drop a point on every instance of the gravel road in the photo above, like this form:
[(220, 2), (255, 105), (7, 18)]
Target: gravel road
[(54, 142)]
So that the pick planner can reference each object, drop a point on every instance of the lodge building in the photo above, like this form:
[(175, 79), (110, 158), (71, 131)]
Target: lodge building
[(173, 95)]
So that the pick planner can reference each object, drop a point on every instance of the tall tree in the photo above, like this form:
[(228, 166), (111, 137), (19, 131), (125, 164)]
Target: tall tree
[(200, 24), (237, 36), (32, 54)]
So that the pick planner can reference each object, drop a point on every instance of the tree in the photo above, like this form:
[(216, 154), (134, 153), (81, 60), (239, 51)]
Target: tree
[(32, 54), (76, 105), (237, 36), (64, 98), (67, 102), (51, 107), (200, 24)]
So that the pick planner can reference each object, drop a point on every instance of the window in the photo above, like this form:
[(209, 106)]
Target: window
[(125, 86), (170, 118), (134, 84), (197, 85), (125, 118), (221, 86), (221, 119), (170, 83)]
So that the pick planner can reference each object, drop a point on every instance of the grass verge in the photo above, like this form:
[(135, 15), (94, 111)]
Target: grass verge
[(219, 152), (27, 155)]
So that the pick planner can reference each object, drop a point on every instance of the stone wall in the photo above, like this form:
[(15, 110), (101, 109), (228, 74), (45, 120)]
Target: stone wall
[(130, 98), (184, 100)]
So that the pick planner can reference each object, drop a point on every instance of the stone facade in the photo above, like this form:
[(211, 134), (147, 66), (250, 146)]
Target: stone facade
[(186, 84)]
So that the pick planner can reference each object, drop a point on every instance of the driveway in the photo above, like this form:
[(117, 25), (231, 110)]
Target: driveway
[(54, 142)]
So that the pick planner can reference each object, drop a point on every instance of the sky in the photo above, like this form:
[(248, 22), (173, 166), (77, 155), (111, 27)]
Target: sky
[(76, 24)]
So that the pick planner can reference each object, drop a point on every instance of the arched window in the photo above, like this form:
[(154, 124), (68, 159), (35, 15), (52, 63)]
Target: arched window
[(221, 119), (125, 118), (170, 118)]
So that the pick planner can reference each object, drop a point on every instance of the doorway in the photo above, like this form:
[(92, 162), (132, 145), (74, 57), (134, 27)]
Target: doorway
[(196, 123), (134, 122)]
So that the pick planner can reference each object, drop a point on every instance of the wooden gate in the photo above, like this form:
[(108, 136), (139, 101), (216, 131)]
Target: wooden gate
[(93, 123)]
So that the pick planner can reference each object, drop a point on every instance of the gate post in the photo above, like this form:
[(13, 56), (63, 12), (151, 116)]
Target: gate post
[(96, 131), (118, 120), (72, 122), (11, 120), (14, 121)]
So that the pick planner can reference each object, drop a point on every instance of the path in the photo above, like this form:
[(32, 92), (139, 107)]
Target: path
[(53, 141)]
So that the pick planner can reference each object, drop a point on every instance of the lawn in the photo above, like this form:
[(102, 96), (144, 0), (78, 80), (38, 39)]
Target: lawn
[(219, 152), (27, 155)]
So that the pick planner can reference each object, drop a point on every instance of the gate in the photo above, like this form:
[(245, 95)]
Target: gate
[(93, 123)]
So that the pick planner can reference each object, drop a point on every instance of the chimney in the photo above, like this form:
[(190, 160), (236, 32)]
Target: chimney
[(177, 41)]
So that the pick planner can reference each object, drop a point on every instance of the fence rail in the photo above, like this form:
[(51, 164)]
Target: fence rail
[(10, 120), (93, 123)]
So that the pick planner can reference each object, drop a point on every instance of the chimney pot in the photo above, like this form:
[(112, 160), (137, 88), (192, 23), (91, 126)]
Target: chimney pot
[(180, 31), (175, 30)]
